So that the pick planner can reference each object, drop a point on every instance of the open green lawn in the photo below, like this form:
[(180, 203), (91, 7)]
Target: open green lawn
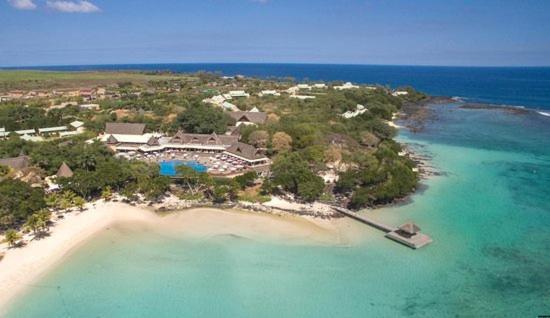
[(26, 79)]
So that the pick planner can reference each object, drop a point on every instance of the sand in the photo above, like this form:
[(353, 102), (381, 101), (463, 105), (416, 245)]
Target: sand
[(21, 267)]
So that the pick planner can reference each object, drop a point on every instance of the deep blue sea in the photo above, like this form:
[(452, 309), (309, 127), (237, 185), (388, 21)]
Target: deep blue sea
[(518, 86)]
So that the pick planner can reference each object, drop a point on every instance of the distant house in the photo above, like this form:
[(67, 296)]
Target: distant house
[(400, 93), (4, 133), (28, 132), (88, 94), (320, 85), (52, 130), (302, 97), (347, 85), (230, 107), (248, 118), (89, 106), (237, 94), (16, 163), (269, 93), (303, 86), (77, 125), (360, 109)]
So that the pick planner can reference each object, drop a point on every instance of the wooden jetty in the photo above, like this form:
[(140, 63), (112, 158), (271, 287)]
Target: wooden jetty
[(407, 234)]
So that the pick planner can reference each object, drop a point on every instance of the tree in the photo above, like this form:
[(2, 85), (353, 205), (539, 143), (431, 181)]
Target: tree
[(292, 173), (79, 202), (281, 141), (247, 179), (203, 119), (35, 224), (259, 138), (11, 237), (107, 193), (194, 181), (18, 201)]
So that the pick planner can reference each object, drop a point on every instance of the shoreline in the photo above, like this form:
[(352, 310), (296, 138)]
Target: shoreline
[(23, 266)]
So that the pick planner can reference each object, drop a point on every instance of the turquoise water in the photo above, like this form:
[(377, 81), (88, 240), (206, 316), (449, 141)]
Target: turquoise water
[(168, 168), (489, 216)]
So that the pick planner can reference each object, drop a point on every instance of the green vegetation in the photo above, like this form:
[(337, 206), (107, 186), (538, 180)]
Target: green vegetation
[(19, 202), (203, 119), (304, 138)]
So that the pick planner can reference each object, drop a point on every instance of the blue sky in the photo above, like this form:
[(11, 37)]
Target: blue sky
[(410, 32)]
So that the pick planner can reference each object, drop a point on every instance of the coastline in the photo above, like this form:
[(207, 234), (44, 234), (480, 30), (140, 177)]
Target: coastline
[(21, 267)]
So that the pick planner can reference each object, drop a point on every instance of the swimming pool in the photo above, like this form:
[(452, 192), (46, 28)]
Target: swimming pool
[(168, 168)]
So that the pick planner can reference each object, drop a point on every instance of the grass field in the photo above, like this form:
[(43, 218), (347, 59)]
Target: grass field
[(24, 79)]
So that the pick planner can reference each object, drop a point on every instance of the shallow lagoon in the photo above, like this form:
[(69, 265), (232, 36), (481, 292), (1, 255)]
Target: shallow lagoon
[(489, 216)]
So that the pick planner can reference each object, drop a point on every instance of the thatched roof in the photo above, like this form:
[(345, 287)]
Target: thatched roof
[(203, 139), (124, 128), (244, 150), (64, 171), (17, 163), (410, 228), (252, 117)]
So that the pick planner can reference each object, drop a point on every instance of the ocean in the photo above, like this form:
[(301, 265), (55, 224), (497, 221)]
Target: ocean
[(517, 86), (488, 213)]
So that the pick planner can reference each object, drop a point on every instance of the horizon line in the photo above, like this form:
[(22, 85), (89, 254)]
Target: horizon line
[(23, 67)]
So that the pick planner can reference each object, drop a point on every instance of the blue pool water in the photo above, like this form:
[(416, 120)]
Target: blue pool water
[(168, 168)]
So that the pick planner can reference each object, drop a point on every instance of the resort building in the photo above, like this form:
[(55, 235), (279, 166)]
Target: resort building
[(78, 126), (52, 130), (219, 154), (237, 94), (302, 97), (269, 93), (253, 117), (360, 109), (230, 107), (89, 106), (400, 93), (347, 85)]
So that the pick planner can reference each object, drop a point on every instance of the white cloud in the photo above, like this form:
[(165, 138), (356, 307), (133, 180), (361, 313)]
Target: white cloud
[(22, 4), (73, 7)]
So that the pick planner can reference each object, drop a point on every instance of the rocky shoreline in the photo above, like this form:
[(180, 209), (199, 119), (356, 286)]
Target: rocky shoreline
[(515, 110)]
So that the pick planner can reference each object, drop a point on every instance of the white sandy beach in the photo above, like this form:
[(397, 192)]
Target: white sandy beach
[(21, 267)]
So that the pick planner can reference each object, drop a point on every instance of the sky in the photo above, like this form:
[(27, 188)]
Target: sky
[(390, 32)]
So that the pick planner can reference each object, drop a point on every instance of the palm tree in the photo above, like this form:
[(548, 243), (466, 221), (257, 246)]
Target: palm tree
[(79, 202), (45, 216), (34, 224), (12, 237), (107, 193)]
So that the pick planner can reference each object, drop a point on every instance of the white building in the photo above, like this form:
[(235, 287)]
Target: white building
[(359, 109), (236, 94), (347, 85), (89, 106), (269, 93), (302, 97), (400, 93)]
